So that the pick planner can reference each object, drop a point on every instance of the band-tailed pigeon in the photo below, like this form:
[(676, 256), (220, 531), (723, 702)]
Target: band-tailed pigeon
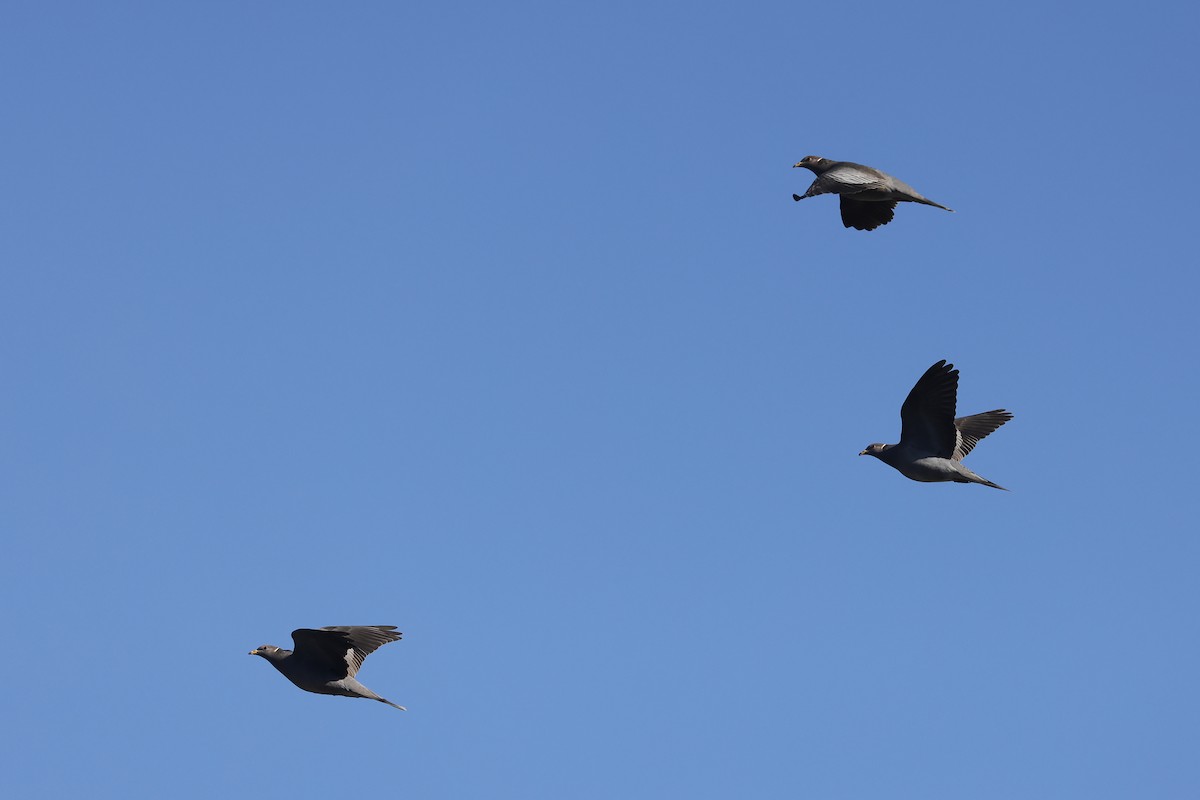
[(868, 196), (326, 660), (932, 442)]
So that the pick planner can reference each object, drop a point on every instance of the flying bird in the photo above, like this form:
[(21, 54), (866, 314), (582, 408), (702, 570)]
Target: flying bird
[(868, 196), (326, 660), (932, 442)]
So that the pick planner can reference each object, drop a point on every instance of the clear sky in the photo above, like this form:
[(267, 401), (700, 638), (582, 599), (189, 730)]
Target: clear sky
[(496, 322)]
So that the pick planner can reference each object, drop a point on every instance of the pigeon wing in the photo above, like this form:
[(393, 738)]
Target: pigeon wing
[(973, 428), (364, 640), (866, 215), (341, 648), (927, 416), (846, 177), (322, 653)]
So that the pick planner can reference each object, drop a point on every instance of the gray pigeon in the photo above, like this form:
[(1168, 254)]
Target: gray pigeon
[(868, 196), (932, 442), (326, 660)]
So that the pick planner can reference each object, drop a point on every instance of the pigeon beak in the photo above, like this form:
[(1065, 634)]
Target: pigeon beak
[(798, 164), (863, 453), (253, 652)]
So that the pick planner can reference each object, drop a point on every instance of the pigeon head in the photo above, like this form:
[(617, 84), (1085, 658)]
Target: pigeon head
[(270, 652), (815, 163), (874, 450)]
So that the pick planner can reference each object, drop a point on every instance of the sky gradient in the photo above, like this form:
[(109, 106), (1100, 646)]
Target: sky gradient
[(497, 323)]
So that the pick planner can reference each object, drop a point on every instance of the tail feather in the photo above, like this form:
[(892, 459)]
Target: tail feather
[(986, 482), (928, 202), (967, 476), (356, 689)]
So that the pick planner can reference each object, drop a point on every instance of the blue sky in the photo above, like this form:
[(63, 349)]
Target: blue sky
[(496, 322)]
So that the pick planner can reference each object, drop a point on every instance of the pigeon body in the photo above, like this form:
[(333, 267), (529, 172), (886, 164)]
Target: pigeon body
[(868, 196), (325, 660), (933, 442)]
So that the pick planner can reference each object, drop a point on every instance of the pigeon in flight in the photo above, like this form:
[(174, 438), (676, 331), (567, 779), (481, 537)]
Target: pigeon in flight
[(932, 442), (326, 660), (868, 196)]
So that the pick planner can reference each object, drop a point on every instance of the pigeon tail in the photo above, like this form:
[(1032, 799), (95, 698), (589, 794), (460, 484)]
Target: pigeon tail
[(967, 476), (356, 689), (982, 480), (928, 202)]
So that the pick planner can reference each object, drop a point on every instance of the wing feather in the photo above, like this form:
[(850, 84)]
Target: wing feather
[(866, 215), (342, 648), (855, 177), (973, 428), (927, 416)]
